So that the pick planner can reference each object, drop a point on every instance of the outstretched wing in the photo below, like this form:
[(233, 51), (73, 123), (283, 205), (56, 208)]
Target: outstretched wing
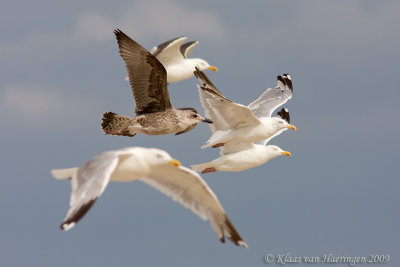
[(88, 183), (225, 114), (187, 48), (169, 50), (147, 76), (188, 188), (272, 98)]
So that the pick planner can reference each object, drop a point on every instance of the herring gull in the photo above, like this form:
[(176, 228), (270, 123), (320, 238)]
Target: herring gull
[(174, 55), (237, 157), (154, 167), (155, 114), (234, 122)]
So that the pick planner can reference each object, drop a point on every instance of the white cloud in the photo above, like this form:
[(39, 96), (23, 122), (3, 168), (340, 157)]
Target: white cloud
[(143, 19), (38, 106), (31, 104), (171, 18)]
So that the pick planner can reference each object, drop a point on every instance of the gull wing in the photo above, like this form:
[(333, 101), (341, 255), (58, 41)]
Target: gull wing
[(169, 50), (233, 147), (147, 76), (224, 113), (89, 182), (187, 48), (188, 188), (272, 98)]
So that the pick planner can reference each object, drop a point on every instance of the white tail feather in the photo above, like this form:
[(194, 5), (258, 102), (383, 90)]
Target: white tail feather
[(63, 173)]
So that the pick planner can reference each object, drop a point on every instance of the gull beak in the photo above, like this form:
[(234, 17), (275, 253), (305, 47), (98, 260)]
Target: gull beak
[(286, 153), (174, 162), (292, 127), (207, 120), (213, 68)]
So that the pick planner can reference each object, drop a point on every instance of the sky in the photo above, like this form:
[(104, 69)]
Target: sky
[(337, 194)]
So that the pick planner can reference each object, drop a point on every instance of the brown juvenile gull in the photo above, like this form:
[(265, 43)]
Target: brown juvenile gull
[(174, 55), (154, 167), (155, 114)]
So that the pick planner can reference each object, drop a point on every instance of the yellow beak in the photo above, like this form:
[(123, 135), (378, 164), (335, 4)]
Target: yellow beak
[(286, 153), (292, 127), (174, 162), (213, 68)]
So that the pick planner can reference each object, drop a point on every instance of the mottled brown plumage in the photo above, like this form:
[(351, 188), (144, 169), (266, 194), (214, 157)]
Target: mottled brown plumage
[(148, 80)]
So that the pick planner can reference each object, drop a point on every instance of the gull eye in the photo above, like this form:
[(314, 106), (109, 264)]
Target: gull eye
[(280, 122), (275, 149), (159, 156)]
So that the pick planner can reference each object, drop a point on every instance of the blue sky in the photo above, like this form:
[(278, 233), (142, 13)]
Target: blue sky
[(338, 192)]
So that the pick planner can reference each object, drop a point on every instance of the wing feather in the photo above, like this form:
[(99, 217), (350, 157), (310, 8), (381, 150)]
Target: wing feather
[(272, 98), (88, 183), (147, 76), (224, 113), (188, 188)]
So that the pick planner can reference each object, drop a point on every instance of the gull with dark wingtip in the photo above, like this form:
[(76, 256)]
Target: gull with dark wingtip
[(174, 55), (234, 122), (155, 114), (154, 167)]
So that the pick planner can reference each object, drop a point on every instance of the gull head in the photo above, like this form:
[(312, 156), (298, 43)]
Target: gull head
[(202, 64), (279, 124), (275, 151), (192, 117), (160, 157)]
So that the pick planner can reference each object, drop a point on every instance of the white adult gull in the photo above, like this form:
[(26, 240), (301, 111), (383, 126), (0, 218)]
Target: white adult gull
[(234, 122), (154, 167), (174, 55), (236, 157)]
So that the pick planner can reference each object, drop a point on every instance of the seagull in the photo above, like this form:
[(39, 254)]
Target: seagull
[(241, 156), (154, 167), (155, 114), (173, 54), (234, 122)]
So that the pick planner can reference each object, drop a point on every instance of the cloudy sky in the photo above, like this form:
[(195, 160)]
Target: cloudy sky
[(338, 193)]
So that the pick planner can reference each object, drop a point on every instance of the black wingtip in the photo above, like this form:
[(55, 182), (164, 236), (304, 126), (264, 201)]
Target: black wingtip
[(197, 72), (284, 114), (233, 235), (286, 80), (65, 225), (117, 31)]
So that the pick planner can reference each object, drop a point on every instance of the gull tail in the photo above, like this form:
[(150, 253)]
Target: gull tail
[(63, 173), (117, 124)]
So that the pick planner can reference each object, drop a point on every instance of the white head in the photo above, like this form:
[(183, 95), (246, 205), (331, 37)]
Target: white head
[(280, 124), (157, 156), (275, 151), (201, 64)]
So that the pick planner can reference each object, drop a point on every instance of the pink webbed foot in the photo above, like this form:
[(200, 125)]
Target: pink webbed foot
[(211, 169), (218, 145)]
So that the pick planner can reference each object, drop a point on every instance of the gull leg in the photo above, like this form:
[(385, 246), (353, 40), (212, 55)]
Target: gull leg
[(218, 145), (210, 169)]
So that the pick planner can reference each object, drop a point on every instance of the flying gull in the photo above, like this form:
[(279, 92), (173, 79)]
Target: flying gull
[(155, 114), (237, 157), (234, 122), (173, 54), (154, 167)]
